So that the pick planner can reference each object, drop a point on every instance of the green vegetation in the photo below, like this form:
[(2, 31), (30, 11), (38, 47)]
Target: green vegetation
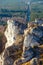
[(36, 11)]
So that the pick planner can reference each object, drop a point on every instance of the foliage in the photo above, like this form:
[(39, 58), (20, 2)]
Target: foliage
[(36, 11)]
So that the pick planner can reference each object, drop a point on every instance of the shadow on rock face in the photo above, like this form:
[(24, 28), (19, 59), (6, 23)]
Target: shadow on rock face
[(3, 41), (12, 53), (8, 61)]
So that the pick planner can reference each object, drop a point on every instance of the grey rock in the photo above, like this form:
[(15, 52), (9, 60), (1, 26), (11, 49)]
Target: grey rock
[(8, 61)]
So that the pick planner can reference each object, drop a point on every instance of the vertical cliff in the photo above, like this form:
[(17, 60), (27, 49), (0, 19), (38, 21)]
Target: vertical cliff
[(11, 32)]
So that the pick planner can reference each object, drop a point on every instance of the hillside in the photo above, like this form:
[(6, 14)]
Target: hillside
[(36, 11)]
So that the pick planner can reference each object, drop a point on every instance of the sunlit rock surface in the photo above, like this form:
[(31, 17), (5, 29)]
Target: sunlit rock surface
[(32, 38), (13, 52), (22, 48), (39, 22), (11, 32)]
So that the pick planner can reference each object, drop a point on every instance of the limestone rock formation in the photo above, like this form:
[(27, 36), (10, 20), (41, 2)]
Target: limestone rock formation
[(32, 38), (11, 32), (12, 53), (20, 49)]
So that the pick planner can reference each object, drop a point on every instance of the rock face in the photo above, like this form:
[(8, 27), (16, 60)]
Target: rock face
[(25, 46), (33, 38), (11, 32), (2, 47), (34, 61), (3, 41), (12, 53), (39, 22)]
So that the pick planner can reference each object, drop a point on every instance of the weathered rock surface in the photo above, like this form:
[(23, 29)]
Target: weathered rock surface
[(33, 39), (22, 48), (11, 32), (2, 47)]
